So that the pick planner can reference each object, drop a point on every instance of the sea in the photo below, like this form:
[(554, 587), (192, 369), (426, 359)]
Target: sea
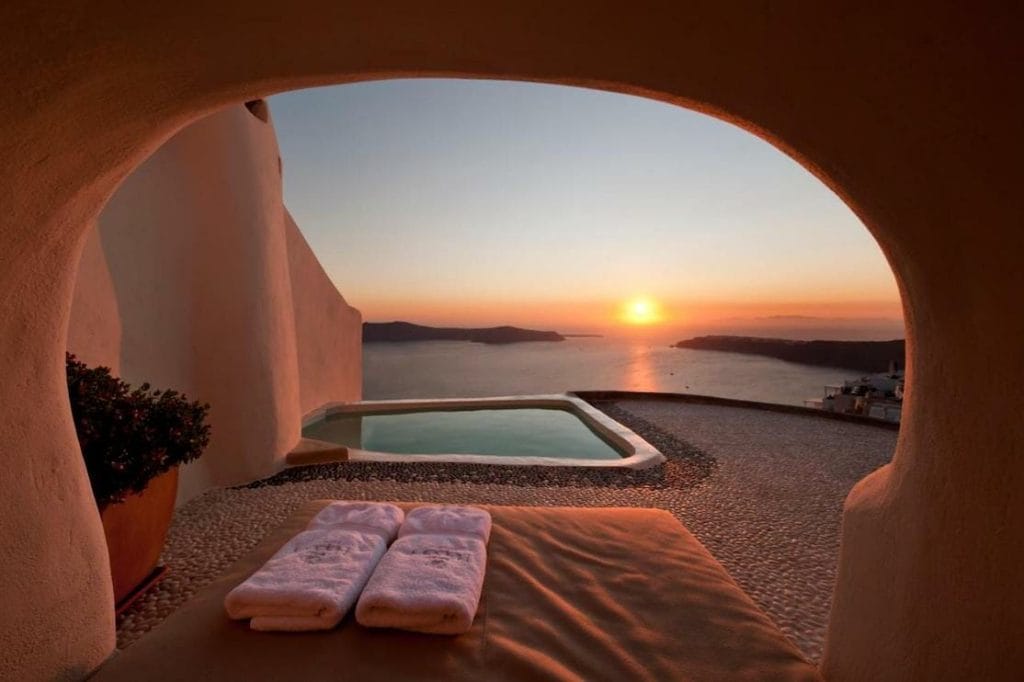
[(459, 369)]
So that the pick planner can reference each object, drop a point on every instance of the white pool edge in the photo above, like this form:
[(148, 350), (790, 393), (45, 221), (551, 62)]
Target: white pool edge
[(638, 453)]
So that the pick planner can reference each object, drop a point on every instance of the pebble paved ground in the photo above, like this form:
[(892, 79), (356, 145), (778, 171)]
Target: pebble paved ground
[(762, 490)]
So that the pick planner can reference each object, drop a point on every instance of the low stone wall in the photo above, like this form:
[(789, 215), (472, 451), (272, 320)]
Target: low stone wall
[(592, 396)]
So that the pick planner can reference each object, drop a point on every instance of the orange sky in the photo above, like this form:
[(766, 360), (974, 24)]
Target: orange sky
[(606, 316), (478, 203)]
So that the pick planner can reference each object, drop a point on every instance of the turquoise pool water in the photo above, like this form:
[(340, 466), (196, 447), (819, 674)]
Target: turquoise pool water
[(516, 432)]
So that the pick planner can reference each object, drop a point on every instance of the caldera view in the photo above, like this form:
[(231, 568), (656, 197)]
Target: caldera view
[(557, 298), (510, 342)]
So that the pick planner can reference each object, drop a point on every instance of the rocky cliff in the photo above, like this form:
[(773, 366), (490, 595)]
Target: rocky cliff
[(406, 331), (861, 356)]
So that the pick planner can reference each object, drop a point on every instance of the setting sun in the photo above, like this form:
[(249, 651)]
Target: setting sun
[(641, 311)]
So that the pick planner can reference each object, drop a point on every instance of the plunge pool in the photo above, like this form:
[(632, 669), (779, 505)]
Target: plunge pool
[(538, 430)]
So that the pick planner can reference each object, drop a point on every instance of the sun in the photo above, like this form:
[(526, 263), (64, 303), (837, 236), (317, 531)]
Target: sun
[(641, 311)]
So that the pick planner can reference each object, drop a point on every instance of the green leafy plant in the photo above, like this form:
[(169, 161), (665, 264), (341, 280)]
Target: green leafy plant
[(129, 436)]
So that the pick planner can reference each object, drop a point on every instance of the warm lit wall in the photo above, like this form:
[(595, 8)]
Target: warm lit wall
[(94, 330), (197, 279), (912, 116), (328, 331)]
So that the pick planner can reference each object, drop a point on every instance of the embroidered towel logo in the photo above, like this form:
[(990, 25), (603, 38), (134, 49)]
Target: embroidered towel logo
[(439, 558), (324, 552)]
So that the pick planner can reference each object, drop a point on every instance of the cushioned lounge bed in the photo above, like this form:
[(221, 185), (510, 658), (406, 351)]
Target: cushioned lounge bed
[(570, 594)]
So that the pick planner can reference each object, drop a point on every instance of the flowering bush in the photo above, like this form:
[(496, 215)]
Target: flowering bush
[(129, 436)]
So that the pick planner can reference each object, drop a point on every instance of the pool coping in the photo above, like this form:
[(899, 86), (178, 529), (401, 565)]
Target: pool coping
[(637, 452)]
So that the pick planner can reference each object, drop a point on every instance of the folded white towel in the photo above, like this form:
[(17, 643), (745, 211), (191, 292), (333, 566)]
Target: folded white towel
[(448, 519), (378, 517), (313, 580), (431, 581)]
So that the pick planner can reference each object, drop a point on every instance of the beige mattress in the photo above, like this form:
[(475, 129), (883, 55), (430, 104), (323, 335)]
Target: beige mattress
[(570, 594)]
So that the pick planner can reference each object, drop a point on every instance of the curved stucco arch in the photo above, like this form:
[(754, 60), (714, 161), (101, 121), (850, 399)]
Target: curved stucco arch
[(908, 127)]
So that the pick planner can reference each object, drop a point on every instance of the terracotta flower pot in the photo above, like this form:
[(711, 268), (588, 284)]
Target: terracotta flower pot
[(136, 530)]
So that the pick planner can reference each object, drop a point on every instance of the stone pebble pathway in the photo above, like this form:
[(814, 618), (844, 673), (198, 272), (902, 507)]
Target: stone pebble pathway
[(762, 490)]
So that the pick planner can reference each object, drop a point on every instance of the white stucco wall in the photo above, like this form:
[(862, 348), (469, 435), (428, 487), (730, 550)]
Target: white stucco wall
[(912, 117), (197, 279), (328, 331), (94, 327)]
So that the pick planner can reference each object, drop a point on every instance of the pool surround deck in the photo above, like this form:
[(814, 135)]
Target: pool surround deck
[(762, 489), (699, 399)]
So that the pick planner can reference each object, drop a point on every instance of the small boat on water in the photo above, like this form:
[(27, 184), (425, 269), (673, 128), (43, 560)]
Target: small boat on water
[(876, 395)]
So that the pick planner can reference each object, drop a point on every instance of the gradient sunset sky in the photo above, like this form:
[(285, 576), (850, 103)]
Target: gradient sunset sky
[(458, 202)]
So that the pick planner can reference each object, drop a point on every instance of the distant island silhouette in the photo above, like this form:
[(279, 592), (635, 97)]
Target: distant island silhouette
[(861, 356), (397, 332)]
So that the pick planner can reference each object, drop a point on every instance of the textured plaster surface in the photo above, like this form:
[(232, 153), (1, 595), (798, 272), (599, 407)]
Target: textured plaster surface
[(763, 491), (912, 117), (328, 331), (197, 279), (95, 330)]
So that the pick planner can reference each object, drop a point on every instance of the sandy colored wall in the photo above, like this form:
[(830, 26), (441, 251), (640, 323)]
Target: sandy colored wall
[(94, 329), (197, 279), (329, 332), (912, 117)]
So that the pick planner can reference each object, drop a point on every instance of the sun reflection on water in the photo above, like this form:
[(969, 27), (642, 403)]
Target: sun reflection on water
[(640, 371)]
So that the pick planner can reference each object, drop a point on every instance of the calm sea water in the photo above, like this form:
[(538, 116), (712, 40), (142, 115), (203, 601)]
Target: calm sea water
[(454, 369)]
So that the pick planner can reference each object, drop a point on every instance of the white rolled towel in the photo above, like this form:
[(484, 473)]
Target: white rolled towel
[(313, 580), (432, 577), (379, 517), (447, 519)]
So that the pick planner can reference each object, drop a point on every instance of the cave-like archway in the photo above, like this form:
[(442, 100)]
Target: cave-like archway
[(917, 132)]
